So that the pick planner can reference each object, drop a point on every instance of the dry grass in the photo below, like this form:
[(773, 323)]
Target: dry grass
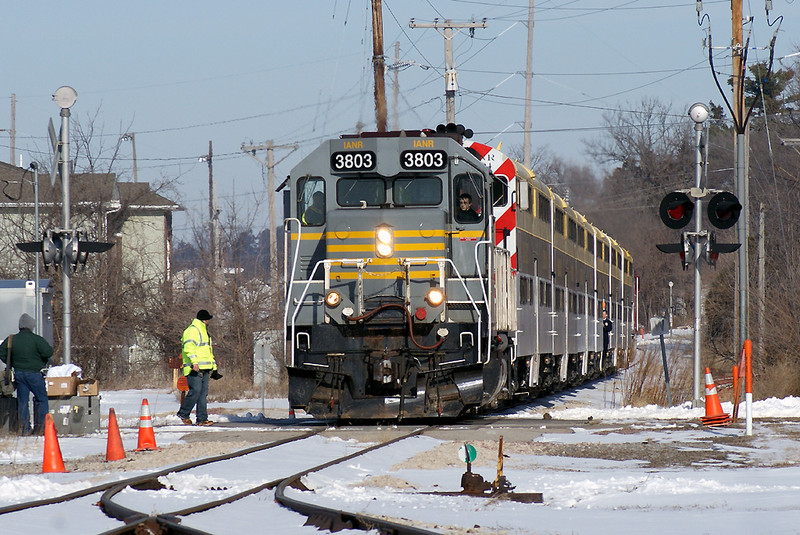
[(779, 380), (644, 378)]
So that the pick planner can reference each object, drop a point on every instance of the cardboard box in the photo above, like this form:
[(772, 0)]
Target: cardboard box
[(61, 386), (88, 387)]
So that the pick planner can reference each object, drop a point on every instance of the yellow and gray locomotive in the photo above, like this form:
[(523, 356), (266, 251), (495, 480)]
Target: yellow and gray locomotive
[(430, 276)]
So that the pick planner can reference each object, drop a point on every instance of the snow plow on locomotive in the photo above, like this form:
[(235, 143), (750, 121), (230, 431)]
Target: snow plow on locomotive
[(429, 276)]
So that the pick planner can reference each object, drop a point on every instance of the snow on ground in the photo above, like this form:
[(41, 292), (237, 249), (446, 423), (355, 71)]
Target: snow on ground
[(711, 480)]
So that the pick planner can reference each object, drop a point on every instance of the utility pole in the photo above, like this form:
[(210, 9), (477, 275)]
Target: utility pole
[(450, 82), (378, 65), (13, 131), (528, 90), (737, 45), (213, 221), (762, 282), (396, 92), (740, 159), (270, 164)]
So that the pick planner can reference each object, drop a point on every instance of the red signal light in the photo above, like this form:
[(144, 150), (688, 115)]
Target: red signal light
[(676, 210)]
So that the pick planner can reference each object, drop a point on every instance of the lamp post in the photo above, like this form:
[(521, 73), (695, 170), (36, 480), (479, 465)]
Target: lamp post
[(65, 97), (131, 136), (37, 237), (670, 307), (699, 113)]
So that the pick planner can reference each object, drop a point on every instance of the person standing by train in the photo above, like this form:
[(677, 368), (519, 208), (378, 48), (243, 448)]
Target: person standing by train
[(607, 326), (27, 353), (198, 366)]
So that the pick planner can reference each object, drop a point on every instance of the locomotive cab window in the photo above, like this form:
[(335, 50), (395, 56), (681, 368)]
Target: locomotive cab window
[(467, 198), (360, 192), (311, 201), (417, 191)]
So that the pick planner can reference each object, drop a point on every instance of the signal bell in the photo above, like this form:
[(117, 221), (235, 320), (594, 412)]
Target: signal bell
[(676, 210), (723, 210)]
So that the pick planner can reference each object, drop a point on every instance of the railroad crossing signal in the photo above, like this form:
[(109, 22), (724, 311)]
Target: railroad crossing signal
[(685, 248), (676, 211), (64, 248), (713, 249), (723, 210)]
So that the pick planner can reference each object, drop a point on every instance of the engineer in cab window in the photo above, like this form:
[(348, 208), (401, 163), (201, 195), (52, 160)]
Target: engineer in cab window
[(315, 214), (466, 213)]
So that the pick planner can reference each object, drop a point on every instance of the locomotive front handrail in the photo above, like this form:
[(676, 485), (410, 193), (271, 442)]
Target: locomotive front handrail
[(360, 263), (289, 281), (485, 298), (466, 292)]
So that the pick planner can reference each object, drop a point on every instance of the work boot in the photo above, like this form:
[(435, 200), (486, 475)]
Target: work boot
[(186, 421), (205, 423)]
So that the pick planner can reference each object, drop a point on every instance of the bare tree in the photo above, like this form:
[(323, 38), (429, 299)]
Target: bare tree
[(648, 152), (239, 293)]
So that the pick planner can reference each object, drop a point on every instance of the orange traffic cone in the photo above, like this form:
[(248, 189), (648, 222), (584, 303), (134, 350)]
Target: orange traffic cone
[(114, 449), (147, 439), (52, 461), (714, 415)]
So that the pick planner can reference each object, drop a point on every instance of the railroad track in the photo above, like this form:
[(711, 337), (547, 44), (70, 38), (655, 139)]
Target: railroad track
[(24, 515), (159, 503), (197, 497), (169, 520)]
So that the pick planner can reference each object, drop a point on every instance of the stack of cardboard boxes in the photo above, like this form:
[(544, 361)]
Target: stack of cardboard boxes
[(74, 404)]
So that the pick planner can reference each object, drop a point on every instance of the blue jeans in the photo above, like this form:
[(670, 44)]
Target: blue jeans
[(198, 392), (27, 383)]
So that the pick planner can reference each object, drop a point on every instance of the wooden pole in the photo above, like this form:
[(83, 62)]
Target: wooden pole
[(379, 65)]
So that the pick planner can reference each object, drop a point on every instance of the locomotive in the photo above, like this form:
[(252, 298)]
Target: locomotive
[(430, 276)]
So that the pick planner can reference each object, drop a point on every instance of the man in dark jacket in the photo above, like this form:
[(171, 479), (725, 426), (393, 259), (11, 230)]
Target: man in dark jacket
[(607, 326), (29, 354)]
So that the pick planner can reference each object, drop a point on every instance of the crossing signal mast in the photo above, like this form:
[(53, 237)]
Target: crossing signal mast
[(678, 208), (64, 247)]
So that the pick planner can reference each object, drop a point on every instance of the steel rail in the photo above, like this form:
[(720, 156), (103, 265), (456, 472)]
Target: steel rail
[(149, 480), (336, 519)]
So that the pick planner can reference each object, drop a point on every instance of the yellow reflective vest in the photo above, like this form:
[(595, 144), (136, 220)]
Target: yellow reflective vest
[(196, 348)]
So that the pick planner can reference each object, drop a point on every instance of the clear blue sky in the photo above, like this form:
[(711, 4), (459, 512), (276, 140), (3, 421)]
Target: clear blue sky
[(181, 73)]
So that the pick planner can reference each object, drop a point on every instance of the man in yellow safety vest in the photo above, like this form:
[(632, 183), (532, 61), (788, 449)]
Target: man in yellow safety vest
[(198, 366)]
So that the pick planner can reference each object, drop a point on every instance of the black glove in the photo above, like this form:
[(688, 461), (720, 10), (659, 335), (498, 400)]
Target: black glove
[(216, 375)]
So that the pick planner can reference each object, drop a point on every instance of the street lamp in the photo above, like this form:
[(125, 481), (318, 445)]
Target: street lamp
[(131, 136), (670, 307), (698, 113), (65, 97)]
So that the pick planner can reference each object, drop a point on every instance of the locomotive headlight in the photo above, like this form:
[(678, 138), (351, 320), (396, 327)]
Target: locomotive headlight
[(435, 297), (384, 242), (333, 298)]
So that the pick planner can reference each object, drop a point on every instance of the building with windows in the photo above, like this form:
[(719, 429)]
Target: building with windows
[(117, 288)]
